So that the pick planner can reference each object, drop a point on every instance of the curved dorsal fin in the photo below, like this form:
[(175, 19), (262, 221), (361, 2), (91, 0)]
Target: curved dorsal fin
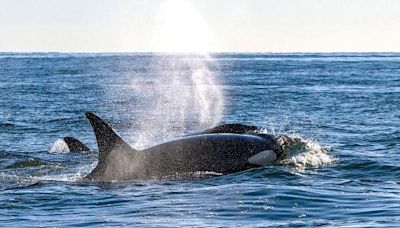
[(107, 138), (75, 145)]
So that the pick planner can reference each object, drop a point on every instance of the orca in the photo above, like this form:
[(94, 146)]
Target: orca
[(224, 149), (75, 145), (233, 129)]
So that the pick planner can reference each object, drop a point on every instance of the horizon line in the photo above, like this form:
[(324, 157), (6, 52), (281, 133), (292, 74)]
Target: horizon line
[(197, 53)]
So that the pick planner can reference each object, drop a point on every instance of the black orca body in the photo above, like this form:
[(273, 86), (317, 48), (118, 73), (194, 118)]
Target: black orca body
[(224, 149), (75, 145)]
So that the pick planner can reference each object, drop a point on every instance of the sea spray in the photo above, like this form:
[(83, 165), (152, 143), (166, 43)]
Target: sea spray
[(59, 146), (301, 153), (183, 96)]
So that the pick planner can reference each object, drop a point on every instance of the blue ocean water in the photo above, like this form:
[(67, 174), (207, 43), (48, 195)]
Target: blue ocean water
[(347, 102)]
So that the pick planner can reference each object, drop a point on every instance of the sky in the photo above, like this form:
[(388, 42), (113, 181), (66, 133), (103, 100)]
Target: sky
[(199, 25)]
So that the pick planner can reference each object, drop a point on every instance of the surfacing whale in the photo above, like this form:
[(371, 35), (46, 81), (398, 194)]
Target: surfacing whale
[(75, 145), (223, 149)]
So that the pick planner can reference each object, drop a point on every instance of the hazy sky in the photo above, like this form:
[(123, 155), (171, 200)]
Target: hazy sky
[(199, 25)]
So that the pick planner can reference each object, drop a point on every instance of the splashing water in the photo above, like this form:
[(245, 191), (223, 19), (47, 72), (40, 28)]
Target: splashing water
[(59, 146), (301, 153)]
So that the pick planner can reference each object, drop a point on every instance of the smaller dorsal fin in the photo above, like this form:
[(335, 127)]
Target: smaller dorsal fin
[(107, 139), (75, 145)]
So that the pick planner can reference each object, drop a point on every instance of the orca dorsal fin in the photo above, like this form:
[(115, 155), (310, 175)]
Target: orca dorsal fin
[(107, 138), (75, 145)]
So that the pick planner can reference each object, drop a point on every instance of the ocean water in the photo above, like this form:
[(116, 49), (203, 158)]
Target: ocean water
[(344, 106)]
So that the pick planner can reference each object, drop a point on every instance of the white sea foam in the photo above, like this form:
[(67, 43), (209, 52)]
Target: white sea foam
[(301, 153), (59, 146)]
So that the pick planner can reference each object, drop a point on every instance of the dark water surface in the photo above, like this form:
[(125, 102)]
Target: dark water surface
[(347, 102)]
